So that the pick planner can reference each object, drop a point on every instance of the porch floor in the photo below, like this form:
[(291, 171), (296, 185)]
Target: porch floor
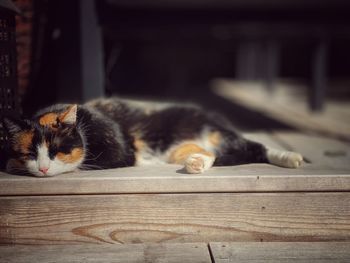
[(223, 215)]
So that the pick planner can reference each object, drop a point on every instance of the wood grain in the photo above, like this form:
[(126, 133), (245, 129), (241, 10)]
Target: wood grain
[(284, 252), (175, 218), (134, 253)]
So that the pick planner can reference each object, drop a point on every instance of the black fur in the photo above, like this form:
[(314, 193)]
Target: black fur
[(163, 128)]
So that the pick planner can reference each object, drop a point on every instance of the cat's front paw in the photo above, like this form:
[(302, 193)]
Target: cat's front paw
[(194, 165), (198, 163)]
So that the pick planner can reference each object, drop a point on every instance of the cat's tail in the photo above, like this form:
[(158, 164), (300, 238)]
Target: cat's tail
[(242, 151)]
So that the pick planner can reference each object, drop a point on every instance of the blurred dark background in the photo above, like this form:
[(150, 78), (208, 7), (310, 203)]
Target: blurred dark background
[(75, 50)]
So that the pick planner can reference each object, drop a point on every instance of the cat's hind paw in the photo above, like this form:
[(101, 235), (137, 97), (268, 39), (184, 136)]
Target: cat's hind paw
[(198, 163), (284, 158), (294, 160)]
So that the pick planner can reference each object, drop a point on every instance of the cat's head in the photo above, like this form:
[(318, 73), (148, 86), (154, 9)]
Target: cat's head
[(47, 147)]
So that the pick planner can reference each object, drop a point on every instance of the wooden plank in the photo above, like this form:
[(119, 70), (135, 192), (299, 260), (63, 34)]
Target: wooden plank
[(328, 172), (285, 252), (322, 152), (288, 104), (175, 218), (170, 179), (245, 178), (135, 253)]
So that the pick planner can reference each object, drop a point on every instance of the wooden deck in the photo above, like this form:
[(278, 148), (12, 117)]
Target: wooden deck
[(288, 104), (166, 211)]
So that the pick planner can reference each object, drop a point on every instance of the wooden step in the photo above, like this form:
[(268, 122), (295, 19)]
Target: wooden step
[(281, 252), (136, 253), (328, 171), (285, 252), (257, 202)]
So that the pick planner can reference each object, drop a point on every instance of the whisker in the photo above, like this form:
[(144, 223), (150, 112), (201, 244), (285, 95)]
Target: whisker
[(93, 159), (90, 167)]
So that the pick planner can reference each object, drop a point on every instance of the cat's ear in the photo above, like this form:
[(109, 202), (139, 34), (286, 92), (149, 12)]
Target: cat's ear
[(70, 115), (13, 126)]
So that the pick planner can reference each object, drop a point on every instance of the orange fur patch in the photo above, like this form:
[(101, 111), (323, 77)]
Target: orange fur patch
[(139, 146), (182, 152), (75, 155), (23, 141), (48, 119), (215, 138)]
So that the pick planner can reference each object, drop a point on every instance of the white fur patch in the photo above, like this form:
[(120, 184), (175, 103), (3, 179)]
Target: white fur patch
[(198, 163), (148, 157), (284, 158), (54, 166)]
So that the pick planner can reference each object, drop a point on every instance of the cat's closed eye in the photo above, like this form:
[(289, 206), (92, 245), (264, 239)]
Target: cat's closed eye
[(52, 152), (64, 148), (56, 149)]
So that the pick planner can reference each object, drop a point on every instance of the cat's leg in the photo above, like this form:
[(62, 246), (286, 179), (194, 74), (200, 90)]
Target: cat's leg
[(284, 158), (14, 166), (194, 158), (198, 163), (242, 151)]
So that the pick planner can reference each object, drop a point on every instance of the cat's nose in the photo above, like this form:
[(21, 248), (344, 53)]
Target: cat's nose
[(43, 170)]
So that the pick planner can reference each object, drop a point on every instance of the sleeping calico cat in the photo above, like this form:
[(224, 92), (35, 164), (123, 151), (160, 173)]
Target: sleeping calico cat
[(111, 133)]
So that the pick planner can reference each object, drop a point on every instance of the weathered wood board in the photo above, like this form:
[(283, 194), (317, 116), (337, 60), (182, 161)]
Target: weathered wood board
[(175, 218), (243, 252), (284, 252), (164, 179), (134, 253), (289, 105), (329, 170)]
